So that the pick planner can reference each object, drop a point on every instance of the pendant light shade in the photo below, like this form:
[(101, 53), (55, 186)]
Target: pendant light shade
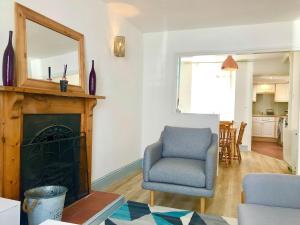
[(229, 64)]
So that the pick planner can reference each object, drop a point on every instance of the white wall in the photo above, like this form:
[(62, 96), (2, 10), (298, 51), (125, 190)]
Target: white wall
[(117, 120), (291, 148), (185, 87), (161, 51), (159, 90), (6, 24), (243, 100)]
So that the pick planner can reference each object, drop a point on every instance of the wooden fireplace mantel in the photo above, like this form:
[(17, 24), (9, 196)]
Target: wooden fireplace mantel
[(16, 102), (48, 92)]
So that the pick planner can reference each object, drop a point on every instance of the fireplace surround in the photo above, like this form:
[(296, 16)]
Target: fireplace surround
[(19, 103)]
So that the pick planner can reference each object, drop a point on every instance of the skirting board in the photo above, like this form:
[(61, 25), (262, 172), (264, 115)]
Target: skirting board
[(110, 178), (244, 148)]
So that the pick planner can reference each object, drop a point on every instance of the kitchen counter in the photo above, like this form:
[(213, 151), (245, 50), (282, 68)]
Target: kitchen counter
[(269, 115), (265, 126)]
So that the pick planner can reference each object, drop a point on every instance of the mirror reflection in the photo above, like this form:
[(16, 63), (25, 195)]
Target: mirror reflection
[(47, 53)]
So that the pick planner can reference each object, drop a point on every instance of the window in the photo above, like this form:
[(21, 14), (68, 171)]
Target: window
[(204, 88)]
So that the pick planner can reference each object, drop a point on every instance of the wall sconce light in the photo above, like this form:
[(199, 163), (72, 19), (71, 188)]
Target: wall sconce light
[(119, 46)]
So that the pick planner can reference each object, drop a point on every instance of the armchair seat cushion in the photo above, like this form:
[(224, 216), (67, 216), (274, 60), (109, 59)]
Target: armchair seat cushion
[(180, 171), (252, 214)]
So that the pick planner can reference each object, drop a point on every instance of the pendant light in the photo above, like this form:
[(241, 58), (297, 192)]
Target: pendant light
[(229, 64)]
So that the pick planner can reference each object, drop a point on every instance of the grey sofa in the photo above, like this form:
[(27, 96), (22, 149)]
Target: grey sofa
[(183, 161), (270, 199)]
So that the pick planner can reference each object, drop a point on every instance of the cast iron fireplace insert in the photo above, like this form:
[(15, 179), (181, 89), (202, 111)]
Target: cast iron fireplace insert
[(54, 153)]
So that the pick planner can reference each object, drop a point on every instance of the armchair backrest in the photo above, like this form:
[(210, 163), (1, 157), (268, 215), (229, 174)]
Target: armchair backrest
[(191, 143)]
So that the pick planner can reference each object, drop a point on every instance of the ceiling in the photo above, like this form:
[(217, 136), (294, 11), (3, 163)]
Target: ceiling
[(267, 67), (160, 15), (280, 56)]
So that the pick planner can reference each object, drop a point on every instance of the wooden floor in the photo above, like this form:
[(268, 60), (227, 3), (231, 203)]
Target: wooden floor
[(228, 186), (271, 149)]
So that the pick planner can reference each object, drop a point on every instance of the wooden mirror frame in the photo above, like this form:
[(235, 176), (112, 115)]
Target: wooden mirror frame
[(22, 14)]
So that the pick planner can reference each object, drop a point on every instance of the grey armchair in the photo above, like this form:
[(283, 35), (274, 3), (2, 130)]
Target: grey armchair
[(270, 199), (183, 161)]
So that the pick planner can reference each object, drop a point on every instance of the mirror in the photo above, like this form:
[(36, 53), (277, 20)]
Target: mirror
[(48, 52), (43, 48)]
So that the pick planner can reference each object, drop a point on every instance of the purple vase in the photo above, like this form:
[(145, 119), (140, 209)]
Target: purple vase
[(92, 80), (8, 63)]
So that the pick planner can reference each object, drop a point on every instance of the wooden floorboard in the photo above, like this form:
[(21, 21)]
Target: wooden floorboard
[(228, 186)]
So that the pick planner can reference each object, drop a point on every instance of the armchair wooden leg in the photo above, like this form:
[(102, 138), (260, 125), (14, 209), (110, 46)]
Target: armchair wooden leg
[(202, 205), (151, 198)]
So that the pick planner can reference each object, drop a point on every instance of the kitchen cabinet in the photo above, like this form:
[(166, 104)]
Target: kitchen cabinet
[(265, 88), (256, 128), (264, 127), (282, 93), (268, 129)]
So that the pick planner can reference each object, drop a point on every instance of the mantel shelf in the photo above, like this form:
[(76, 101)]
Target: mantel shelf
[(46, 92)]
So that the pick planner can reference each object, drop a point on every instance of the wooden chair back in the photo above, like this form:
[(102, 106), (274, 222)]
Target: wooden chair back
[(241, 133), (224, 135), (230, 123)]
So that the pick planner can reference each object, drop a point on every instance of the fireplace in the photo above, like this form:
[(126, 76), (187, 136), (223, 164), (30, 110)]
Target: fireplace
[(18, 106), (53, 152)]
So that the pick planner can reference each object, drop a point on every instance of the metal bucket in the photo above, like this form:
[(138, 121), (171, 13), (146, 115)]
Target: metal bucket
[(43, 203)]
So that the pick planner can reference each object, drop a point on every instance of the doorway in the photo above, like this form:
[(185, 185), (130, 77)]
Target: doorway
[(270, 103), (263, 92)]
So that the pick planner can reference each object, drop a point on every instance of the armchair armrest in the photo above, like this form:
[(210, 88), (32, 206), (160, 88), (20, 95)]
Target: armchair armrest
[(279, 190), (151, 155), (211, 162)]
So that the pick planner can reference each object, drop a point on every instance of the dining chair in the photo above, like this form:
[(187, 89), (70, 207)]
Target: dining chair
[(237, 154), (224, 122), (225, 143)]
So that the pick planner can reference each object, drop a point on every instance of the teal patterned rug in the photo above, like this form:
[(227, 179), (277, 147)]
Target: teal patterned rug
[(142, 214)]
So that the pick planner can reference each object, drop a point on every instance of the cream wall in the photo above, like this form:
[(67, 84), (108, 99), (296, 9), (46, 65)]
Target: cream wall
[(117, 120), (161, 51)]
